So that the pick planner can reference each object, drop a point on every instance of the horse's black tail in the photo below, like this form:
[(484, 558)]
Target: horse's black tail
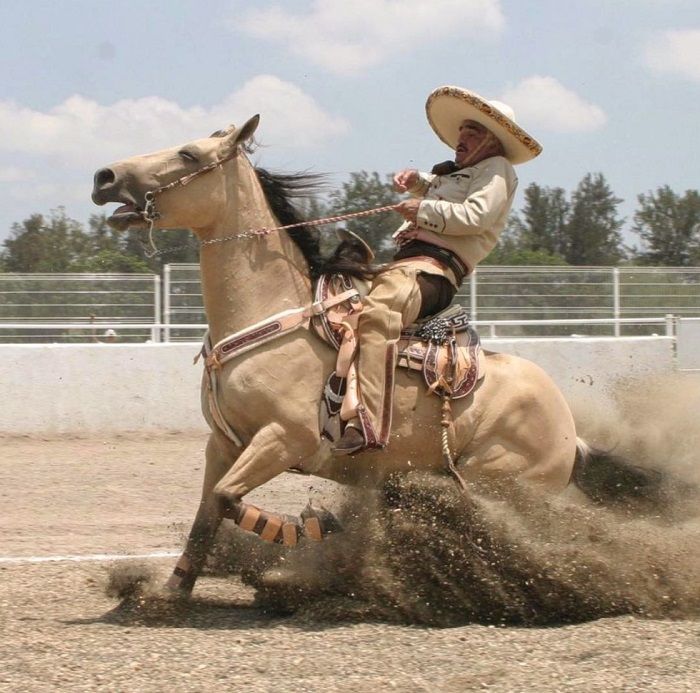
[(608, 479)]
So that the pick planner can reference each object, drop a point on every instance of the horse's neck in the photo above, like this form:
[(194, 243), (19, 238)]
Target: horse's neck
[(245, 281)]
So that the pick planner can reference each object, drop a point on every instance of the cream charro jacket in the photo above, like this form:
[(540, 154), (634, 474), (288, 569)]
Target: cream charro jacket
[(466, 211)]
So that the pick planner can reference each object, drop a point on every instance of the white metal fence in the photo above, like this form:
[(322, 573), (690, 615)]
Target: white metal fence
[(503, 301), (78, 307), (614, 301), (182, 301), (525, 301)]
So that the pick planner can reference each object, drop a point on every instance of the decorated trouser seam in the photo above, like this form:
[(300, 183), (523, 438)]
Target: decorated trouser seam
[(393, 302)]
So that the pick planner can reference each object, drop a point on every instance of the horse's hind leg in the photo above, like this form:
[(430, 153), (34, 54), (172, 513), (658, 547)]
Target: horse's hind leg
[(220, 456), (315, 522)]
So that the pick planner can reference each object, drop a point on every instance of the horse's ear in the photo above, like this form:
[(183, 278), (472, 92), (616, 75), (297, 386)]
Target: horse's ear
[(240, 135), (248, 130)]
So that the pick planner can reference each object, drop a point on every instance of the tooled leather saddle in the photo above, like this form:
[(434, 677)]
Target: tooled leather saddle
[(444, 347)]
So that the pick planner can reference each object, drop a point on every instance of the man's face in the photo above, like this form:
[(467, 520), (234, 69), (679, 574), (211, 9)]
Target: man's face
[(471, 135)]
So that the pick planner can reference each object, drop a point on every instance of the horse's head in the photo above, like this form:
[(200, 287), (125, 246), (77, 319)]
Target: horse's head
[(180, 187)]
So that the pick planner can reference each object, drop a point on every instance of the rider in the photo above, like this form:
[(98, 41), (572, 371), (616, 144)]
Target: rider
[(452, 222)]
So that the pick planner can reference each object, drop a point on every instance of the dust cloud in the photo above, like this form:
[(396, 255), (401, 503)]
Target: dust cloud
[(420, 552)]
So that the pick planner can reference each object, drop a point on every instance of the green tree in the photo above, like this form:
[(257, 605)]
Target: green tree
[(45, 244), (541, 225), (364, 191), (669, 226), (513, 250), (107, 251), (59, 244), (593, 227), (173, 245)]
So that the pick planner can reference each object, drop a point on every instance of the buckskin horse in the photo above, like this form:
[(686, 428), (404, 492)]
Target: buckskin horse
[(262, 406)]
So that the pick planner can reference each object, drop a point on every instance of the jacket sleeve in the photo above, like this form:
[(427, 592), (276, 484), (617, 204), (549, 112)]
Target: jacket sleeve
[(478, 212), (421, 187)]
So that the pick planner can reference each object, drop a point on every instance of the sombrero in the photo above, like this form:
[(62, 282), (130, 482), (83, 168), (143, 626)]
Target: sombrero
[(448, 107)]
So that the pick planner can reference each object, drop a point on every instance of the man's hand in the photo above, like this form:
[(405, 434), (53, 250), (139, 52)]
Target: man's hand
[(406, 179), (409, 234), (408, 209)]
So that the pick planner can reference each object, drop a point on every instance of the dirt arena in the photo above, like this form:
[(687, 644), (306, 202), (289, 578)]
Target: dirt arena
[(82, 501)]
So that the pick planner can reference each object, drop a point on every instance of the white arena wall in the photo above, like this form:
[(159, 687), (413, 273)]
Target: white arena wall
[(120, 388)]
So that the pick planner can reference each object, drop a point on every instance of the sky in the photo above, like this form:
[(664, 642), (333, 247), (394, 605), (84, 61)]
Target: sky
[(609, 86)]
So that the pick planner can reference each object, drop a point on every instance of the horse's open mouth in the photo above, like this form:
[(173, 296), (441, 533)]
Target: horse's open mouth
[(126, 215)]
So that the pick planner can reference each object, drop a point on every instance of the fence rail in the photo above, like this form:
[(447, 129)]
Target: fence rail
[(509, 301), (194, 332), (92, 300)]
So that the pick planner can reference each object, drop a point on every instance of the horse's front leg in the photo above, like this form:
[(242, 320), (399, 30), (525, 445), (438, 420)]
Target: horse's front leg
[(272, 450), (220, 456)]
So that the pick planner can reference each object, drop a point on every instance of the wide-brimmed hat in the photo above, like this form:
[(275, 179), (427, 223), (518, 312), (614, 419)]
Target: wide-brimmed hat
[(448, 107)]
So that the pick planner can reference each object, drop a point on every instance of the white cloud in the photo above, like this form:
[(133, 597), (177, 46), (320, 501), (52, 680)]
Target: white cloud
[(675, 52), (15, 174), (543, 102), (289, 116), (347, 37), (81, 131), (52, 194)]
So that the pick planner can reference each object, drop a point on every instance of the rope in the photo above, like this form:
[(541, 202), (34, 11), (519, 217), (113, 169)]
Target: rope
[(265, 231), (446, 422)]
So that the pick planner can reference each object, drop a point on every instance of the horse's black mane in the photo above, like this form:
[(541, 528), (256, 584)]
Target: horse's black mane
[(281, 190)]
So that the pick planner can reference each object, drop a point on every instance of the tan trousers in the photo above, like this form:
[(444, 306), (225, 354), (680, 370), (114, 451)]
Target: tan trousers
[(393, 303)]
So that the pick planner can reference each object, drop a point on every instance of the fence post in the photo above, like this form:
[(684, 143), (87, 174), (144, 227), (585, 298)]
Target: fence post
[(670, 325), (472, 295), (155, 333), (616, 299), (166, 303)]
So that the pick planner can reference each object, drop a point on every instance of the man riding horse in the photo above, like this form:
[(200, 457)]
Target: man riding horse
[(452, 222), (266, 368)]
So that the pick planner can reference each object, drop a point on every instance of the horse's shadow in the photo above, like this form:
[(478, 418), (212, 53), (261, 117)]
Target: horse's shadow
[(202, 613), (154, 610)]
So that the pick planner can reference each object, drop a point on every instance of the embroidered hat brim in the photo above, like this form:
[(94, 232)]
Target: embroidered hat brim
[(447, 107)]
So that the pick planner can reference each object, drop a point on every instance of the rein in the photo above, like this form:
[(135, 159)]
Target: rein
[(150, 214), (314, 222)]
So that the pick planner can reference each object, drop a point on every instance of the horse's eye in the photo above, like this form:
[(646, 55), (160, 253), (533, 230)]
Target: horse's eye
[(188, 156)]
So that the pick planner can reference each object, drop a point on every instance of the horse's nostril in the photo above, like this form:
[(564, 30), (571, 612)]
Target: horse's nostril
[(104, 177)]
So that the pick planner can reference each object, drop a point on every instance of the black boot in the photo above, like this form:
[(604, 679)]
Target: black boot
[(352, 440)]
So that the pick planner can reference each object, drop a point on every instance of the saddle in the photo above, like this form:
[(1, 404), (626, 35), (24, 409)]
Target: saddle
[(445, 348)]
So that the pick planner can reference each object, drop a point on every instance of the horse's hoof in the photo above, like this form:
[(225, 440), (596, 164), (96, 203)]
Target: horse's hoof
[(174, 595), (287, 581), (318, 522), (175, 590), (278, 579)]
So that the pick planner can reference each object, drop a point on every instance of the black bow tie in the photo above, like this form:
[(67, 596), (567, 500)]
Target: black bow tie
[(443, 168)]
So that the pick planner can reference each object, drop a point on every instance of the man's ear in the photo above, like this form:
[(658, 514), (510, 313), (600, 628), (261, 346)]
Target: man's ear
[(239, 136)]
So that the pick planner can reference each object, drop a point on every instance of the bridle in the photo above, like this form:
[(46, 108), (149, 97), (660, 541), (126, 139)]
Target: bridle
[(150, 214)]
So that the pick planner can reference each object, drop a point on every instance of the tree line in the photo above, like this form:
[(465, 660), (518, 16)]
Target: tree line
[(551, 228)]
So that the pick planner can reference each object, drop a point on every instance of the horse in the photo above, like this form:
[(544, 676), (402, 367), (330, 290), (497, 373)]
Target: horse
[(262, 407)]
